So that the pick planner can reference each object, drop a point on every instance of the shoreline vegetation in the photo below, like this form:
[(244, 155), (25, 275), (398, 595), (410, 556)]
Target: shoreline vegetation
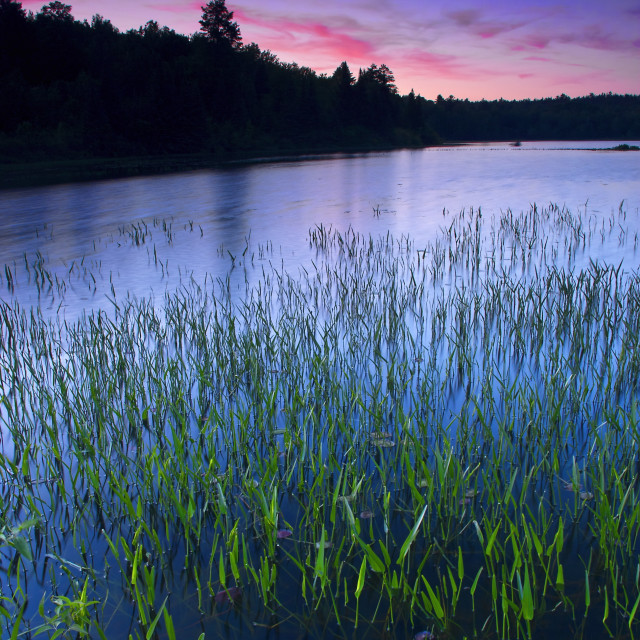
[(81, 100), (44, 172), (41, 173)]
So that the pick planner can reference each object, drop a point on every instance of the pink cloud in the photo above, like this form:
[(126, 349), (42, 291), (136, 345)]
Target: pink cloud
[(437, 64), (536, 41), (561, 62), (489, 32), (542, 29), (316, 36)]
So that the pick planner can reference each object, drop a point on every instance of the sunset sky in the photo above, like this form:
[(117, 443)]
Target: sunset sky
[(471, 49)]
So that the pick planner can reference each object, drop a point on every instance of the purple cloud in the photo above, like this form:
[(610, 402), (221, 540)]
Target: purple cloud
[(472, 20), (465, 18), (589, 37)]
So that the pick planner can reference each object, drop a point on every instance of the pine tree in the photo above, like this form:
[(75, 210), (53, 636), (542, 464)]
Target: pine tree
[(217, 23)]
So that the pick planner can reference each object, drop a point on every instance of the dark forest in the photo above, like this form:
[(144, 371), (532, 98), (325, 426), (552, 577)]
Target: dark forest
[(71, 89)]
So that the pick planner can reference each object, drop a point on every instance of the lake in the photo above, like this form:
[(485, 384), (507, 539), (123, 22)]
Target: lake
[(276, 203), (390, 395)]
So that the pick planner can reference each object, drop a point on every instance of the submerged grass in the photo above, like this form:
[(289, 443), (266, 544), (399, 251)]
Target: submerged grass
[(396, 441)]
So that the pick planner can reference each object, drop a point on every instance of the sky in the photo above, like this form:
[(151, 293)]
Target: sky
[(474, 49)]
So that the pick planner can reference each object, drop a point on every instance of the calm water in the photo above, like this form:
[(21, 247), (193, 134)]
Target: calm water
[(141, 237), (207, 216)]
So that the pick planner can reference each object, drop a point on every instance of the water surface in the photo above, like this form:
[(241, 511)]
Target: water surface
[(319, 305), (208, 215)]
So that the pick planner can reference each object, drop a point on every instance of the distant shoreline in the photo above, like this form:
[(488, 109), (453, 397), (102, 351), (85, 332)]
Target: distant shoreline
[(24, 174), (27, 174)]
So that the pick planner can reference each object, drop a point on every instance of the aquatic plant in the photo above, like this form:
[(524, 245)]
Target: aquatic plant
[(397, 439)]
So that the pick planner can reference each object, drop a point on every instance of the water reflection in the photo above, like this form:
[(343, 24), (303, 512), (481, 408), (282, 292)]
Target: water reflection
[(411, 358), (210, 213)]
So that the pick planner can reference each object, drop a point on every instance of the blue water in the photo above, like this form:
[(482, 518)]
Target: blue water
[(208, 216), (75, 248)]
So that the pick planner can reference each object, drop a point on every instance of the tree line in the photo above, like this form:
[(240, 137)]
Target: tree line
[(75, 89)]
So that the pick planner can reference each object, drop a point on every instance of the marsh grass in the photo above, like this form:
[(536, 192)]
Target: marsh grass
[(394, 439)]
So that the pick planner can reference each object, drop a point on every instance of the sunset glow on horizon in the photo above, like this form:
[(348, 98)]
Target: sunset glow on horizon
[(471, 49)]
